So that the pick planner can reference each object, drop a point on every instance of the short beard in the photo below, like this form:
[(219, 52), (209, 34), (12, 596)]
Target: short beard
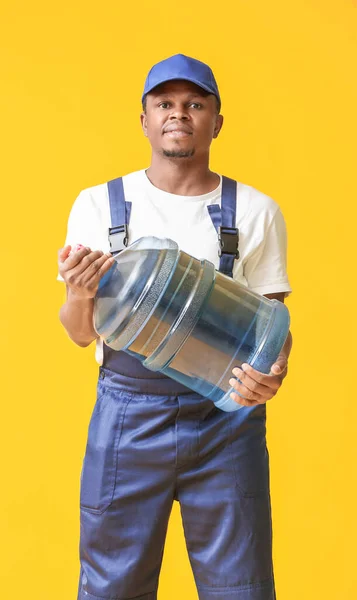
[(178, 153)]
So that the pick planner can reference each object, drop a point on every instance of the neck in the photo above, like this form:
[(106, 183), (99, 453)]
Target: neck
[(185, 177)]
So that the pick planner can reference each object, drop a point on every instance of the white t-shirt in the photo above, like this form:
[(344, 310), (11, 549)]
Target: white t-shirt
[(186, 220)]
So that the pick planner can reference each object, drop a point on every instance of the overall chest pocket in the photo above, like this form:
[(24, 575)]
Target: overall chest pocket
[(99, 469)]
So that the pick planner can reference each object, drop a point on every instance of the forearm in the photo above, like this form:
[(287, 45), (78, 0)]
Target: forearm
[(76, 316)]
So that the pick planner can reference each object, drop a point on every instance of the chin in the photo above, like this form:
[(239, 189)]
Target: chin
[(178, 152)]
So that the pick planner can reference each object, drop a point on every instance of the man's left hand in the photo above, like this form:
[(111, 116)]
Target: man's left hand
[(255, 387)]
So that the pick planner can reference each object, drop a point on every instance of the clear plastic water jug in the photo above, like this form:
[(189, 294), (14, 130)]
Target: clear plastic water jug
[(180, 316)]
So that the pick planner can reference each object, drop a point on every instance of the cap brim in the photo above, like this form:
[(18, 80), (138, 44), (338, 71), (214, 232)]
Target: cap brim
[(175, 78)]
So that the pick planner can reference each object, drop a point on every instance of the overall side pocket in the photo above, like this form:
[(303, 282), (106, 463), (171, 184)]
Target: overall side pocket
[(100, 461), (250, 454)]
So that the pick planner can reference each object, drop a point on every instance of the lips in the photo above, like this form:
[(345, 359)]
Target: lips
[(178, 129)]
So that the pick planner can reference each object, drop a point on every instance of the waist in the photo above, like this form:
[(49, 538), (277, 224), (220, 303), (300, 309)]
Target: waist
[(130, 375)]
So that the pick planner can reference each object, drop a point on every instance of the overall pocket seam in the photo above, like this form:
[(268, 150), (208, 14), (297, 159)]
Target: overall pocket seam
[(245, 494), (115, 458)]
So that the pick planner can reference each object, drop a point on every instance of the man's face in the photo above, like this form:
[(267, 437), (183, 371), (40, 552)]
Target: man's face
[(181, 119)]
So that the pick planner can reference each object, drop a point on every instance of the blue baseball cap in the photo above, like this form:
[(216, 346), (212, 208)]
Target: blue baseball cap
[(183, 67)]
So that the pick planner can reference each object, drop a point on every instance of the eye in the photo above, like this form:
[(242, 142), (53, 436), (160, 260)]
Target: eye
[(196, 105), (164, 104)]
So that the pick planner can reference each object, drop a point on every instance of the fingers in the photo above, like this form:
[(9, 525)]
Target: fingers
[(255, 387), (280, 366), (76, 248), (244, 401), (63, 253), (106, 265), (86, 270), (88, 280), (253, 397), (252, 379), (81, 259), (96, 269), (249, 389), (67, 258), (82, 268)]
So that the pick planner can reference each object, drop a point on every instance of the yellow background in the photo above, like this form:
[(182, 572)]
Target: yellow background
[(71, 81)]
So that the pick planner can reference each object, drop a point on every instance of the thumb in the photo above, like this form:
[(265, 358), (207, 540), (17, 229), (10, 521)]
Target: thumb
[(279, 366)]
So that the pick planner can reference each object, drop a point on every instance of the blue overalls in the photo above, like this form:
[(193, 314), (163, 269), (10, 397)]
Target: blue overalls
[(152, 441)]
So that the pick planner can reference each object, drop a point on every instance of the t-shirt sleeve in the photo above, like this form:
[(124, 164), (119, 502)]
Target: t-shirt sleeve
[(81, 224), (265, 269)]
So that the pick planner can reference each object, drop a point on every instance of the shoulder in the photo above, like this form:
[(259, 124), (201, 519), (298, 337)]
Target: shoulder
[(257, 213), (251, 201), (97, 195)]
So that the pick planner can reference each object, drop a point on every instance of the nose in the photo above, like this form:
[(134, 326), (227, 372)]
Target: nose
[(179, 113)]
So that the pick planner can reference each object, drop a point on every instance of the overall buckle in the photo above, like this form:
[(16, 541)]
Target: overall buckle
[(228, 238), (118, 238)]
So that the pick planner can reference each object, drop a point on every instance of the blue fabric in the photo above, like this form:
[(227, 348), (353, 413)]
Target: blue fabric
[(215, 214), (146, 451), (229, 202), (225, 216), (120, 209), (183, 67), (137, 378)]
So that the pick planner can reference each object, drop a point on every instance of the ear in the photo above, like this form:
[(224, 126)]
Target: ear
[(144, 123), (218, 126)]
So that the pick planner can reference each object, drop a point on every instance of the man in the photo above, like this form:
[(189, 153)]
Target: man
[(152, 441)]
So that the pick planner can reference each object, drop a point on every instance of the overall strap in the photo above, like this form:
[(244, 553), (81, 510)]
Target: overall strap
[(224, 221), (120, 216)]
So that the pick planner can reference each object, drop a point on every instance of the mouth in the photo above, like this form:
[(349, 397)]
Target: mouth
[(177, 131)]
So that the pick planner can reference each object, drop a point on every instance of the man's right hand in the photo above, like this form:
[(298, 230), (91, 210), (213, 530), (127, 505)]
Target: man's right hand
[(83, 269)]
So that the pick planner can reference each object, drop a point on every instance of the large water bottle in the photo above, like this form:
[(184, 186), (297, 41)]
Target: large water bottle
[(180, 316)]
